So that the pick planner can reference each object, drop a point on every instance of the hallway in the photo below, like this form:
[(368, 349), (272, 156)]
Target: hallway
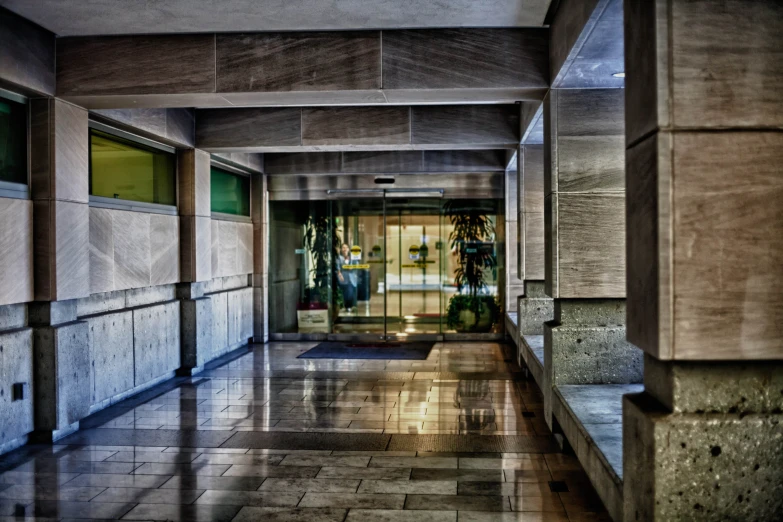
[(458, 436)]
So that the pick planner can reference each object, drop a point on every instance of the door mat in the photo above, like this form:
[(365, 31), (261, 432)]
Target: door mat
[(415, 351)]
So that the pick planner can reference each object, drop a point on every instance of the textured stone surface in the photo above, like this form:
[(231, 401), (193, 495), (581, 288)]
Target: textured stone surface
[(13, 316), (62, 375), (700, 466), (111, 355), (197, 346), (52, 312), (16, 251), (156, 341), (534, 308), (100, 303), (16, 366), (219, 322), (260, 323), (240, 316), (736, 387), (150, 295)]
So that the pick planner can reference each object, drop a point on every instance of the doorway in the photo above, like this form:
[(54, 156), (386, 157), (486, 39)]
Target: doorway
[(367, 265)]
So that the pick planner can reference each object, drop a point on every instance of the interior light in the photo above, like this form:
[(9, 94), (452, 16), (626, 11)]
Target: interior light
[(619, 75)]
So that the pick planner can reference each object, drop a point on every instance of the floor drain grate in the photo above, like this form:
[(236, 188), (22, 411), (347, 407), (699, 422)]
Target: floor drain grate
[(558, 486)]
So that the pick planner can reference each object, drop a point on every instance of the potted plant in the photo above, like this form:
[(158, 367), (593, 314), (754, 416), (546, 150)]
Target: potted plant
[(472, 309), (319, 242)]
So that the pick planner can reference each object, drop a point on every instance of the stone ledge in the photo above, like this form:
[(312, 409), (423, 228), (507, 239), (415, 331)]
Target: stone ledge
[(533, 355), (590, 416), (511, 327)]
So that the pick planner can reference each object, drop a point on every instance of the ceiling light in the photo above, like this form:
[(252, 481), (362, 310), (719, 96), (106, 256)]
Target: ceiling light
[(619, 75)]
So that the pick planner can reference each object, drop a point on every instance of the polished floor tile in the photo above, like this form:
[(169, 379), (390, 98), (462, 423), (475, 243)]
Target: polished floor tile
[(268, 436)]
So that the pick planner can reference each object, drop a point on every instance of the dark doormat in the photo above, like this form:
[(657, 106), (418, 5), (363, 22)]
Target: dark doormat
[(415, 351)]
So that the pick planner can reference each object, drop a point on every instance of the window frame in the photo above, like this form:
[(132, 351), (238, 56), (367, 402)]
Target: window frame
[(221, 164), (129, 204), (9, 189)]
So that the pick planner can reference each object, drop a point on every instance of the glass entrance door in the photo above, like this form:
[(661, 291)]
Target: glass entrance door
[(389, 269), (379, 265)]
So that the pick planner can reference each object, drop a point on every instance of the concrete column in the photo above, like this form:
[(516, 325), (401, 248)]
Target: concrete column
[(258, 202), (59, 185), (193, 178), (514, 286), (61, 368), (534, 306), (584, 214), (705, 250)]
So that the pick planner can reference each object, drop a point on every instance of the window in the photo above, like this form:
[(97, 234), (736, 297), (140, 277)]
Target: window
[(230, 192), (13, 141), (123, 169)]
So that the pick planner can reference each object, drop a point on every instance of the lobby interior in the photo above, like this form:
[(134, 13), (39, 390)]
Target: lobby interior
[(513, 260)]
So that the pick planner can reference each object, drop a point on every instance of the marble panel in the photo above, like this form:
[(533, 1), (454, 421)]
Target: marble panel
[(150, 64), (590, 246), (227, 249), (244, 248), (195, 248), (533, 224), (156, 341), (164, 249), (303, 163), (181, 126), (591, 164), (356, 126), (315, 61), (465, 58), (101, 250), (727, 245), (248, 127), (193, 177), (110, 338), (533, 179), (465, 124), (131, 232), (215, 248), (71, 268), (568, 24), (26, 54), (682, 62), (16, 251)]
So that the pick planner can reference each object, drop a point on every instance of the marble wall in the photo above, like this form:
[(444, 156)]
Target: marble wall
[(232, 248), (16, 251), (132, 249)]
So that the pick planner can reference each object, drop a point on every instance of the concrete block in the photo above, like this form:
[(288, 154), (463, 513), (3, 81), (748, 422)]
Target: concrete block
[(260, 332), (111, 355), (16, 366), (100, 303), (150, 295), (196, 332), (156, 341), (61, 376), (590, 355), (533, 313), (594, 312), (13, 316), (52, 312), (190, 290), (219, 322), (725, 387), (700, 466), (240, 316)]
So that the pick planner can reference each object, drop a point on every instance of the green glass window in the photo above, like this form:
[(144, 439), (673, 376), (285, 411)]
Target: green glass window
[(230, 192), (123, 169), (13, 141)]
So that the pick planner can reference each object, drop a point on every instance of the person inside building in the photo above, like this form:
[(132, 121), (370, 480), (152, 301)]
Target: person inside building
[(346, 277)]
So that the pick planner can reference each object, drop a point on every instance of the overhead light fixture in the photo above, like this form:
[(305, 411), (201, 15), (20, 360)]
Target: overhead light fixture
[(619, 75)]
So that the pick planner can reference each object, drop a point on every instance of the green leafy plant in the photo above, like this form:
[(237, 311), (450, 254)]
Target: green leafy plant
[(321, 240), (471, 240)]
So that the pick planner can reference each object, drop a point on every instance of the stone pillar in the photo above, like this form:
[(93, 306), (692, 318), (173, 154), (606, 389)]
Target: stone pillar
[(193, 178), (258, 202), (584, 214), (705, 250), (514, 285), (534, 306), (59, 185)]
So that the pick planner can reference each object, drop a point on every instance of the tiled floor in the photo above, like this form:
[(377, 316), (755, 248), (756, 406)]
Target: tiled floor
[(459, 436)]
